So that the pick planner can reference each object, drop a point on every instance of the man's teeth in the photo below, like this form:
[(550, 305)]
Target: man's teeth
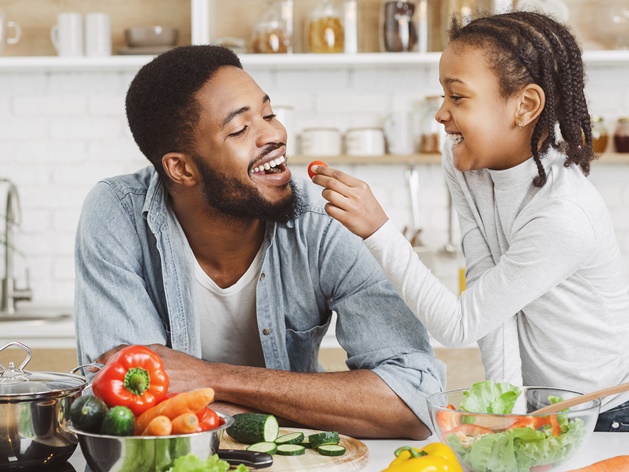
[(455, 138), (269, 165)]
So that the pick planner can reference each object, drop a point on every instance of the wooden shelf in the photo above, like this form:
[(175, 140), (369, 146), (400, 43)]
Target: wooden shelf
[(609, 158)]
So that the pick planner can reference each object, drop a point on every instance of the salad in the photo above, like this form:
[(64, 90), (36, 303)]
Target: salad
[(507, 444)]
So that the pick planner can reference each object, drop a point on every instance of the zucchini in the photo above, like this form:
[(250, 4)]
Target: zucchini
[(290, 438), (290, 450), (331, 450), (87, 413), (268, 447), (118, 421), (321, 439), (251, 428)]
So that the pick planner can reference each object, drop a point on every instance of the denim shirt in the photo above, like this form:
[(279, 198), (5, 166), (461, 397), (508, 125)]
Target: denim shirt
[(134, 285)]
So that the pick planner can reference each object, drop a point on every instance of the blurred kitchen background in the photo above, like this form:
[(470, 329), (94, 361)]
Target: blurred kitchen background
[(353, 81)]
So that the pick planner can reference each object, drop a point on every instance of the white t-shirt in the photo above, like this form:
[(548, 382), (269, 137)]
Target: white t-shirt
[(228, 322), (548, 293)]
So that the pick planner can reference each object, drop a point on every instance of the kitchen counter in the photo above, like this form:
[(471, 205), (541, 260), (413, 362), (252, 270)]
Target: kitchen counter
[(600, 446)]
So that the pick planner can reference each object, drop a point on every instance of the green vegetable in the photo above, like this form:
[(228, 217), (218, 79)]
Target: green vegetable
[(320, 439), (118, 421), (251, 428), (491, 397), (87, 413), (291, 450), (290, 438), (331, 450), (268, 447), (192, 463), (517, 449)]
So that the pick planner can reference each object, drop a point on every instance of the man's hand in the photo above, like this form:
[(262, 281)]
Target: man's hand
[(351, 201)]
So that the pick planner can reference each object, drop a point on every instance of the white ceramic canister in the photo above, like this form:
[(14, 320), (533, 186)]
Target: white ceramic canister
[(364, 142), (321, 142)]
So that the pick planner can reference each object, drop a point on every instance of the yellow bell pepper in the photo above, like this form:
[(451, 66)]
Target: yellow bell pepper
[(435, 457)]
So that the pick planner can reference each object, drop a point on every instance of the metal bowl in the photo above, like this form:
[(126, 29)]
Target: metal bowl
[(147, 453), (518, 441), (151, 36)]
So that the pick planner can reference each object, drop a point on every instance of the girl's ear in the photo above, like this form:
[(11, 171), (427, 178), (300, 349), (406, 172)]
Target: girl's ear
[(180, 169), (531, 102)]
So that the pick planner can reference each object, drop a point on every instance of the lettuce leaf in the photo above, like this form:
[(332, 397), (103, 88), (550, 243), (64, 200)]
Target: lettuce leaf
[(491, 397), (192, 463)]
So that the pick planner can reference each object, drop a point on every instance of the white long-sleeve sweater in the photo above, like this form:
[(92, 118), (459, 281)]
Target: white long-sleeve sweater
[(548, 292)]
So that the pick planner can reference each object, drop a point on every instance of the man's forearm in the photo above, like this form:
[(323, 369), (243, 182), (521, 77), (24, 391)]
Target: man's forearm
[(357, 403)]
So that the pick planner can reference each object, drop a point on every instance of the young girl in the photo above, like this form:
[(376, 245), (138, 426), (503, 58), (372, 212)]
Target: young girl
[(548, 293)]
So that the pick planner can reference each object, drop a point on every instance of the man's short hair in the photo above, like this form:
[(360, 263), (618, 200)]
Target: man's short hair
[(161, 107)]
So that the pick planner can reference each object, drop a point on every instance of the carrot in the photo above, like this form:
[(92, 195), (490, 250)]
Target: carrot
[(613, 464), (185, 402), (185, 423), (158, 426)]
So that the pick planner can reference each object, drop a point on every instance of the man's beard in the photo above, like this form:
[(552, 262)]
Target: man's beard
[(231, 197)]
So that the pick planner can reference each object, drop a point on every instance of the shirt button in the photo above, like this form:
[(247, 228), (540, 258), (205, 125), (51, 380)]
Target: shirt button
[(266, 331), (262, 276), (615, 425)]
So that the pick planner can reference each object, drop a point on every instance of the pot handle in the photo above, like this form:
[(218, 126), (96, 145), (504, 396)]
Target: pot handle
[(90, 364), (29, 354)]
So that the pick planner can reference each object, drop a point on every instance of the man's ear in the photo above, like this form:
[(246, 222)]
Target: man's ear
[(531, 102), (180, 169)]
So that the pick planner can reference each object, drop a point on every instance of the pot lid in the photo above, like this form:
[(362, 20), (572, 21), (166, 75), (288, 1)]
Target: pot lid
[(17, 384)]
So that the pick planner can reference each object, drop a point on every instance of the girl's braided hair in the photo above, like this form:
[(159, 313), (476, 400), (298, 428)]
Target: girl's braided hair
[(524, 48)]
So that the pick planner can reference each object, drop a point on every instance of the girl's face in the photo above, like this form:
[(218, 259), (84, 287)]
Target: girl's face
[(481, 123)]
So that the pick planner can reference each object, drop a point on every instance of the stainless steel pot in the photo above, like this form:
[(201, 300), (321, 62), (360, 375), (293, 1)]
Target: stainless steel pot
[(34, 410)]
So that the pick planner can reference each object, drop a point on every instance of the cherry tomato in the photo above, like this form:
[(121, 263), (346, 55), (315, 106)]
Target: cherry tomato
[(314, 163), (208, 419)]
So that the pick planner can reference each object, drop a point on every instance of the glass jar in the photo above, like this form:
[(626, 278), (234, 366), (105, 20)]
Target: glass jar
[(271, 34), (324, 28), (621, 135), (432, 132), (600, 137), (398, 26)]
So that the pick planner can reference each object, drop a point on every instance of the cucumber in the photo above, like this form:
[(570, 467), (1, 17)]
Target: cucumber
[(331, 450), (118, 421), (306, 443), (290, 438), (268, 447), (290, 450), (87, 413), (321, 439), (251, 428)]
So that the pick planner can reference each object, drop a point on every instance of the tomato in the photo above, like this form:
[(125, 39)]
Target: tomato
[(208, 419), (470, 430), (530, 422), (315, 163), (448, 420)]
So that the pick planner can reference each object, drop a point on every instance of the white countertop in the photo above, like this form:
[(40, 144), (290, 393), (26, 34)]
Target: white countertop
[(599, 446)]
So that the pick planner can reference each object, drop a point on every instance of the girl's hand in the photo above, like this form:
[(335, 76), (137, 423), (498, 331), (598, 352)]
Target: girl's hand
[(350, 201)]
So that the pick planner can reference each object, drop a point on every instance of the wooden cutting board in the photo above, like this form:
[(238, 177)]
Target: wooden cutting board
[(355, 457)]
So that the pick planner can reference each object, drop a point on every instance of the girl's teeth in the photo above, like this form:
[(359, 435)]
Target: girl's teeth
[(455, 138)]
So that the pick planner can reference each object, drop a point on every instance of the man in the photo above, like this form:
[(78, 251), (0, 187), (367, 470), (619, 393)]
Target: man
[(230, 270)]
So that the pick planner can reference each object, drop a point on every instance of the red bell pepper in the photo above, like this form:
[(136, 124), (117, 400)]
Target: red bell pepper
[(134, 377)]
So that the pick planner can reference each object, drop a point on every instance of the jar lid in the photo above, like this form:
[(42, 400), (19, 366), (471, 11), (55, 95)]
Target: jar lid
[(18, 384), (623, 119)]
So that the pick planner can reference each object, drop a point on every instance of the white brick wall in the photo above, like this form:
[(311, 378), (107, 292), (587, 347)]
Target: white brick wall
[(61, 132)]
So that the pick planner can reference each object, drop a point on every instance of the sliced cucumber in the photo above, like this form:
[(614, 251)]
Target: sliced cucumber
[(290, 438), (268, 447), (306, 443), (290, 450), (251, 428), (321, 439), (331, 450)]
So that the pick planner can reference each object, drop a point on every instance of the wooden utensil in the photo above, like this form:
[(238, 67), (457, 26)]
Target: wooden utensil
[(570, 402)]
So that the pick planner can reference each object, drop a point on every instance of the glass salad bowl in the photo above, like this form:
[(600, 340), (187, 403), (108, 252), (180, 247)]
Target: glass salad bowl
[(505, 436)]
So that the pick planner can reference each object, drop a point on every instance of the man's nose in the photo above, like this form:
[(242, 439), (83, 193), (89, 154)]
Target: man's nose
[(271, 131)]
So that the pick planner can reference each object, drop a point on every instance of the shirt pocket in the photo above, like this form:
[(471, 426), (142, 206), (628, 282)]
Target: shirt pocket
[(303, 347)]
